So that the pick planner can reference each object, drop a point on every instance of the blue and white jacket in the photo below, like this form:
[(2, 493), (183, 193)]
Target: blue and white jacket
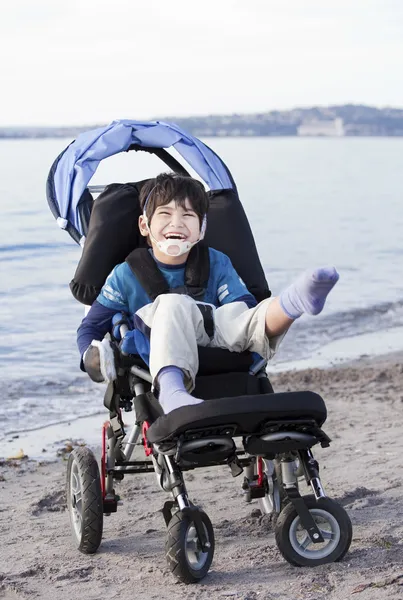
[(122, 292)]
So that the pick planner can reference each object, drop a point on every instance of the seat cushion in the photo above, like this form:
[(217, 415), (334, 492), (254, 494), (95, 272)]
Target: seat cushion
[(241, 415)]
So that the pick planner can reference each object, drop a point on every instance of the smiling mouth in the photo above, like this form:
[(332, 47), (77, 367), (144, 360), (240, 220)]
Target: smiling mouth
[(175, 236)]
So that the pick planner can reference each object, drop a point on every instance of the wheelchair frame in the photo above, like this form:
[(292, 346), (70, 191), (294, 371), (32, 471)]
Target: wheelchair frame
[(309, 530), (271, 478)]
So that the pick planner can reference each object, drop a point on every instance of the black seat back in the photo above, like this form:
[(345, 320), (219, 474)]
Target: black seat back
[(113, 233)]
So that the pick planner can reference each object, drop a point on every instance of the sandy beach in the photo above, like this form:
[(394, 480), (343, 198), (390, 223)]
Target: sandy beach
[(361, 469)]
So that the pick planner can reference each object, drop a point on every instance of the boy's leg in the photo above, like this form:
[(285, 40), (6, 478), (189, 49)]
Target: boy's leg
[(239, 328), (172, 392), (261, 329), (306, 295), (175, 327), (309, 292)]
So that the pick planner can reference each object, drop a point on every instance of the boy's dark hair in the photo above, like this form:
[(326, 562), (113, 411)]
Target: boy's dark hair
[(169, 186)]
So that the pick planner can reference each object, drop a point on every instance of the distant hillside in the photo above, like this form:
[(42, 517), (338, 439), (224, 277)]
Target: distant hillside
[(352, 120), (357, 121)]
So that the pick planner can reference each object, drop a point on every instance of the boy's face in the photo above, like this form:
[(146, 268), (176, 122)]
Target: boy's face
[(171, 221)]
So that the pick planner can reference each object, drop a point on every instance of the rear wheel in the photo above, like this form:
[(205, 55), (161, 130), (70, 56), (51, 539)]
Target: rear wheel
[(84, 500), (185, 557), (294, 542)]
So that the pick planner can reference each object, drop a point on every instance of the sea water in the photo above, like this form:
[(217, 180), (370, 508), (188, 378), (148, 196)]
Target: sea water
[(310, 202)]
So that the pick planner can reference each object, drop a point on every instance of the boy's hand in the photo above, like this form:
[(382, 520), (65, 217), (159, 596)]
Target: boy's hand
[(99, 361), (92, 364)]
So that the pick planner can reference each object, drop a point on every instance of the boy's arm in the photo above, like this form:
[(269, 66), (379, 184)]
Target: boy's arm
[(94, 326), (98, 322), (230, 287)]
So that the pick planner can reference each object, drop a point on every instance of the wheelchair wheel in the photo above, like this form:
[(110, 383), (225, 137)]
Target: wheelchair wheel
[(184, 555), (84, 500), (294, 542)]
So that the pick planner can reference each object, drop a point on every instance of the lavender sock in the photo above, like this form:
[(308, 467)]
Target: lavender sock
[(172, 390), (309, 292)]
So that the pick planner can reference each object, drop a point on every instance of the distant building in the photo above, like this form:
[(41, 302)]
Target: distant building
[(316, 127)]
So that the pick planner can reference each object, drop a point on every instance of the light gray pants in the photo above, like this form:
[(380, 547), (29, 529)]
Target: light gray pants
[(177, 328)]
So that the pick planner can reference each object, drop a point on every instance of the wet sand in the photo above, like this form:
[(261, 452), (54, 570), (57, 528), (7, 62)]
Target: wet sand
[(361, 469)]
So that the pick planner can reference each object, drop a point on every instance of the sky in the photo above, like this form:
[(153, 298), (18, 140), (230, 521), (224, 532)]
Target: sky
[(85, 62)]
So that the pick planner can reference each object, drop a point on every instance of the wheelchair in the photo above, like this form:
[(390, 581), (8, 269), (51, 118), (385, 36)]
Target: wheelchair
[(263, 437)]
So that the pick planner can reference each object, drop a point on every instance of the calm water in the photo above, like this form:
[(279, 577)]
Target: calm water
[(309, 201)]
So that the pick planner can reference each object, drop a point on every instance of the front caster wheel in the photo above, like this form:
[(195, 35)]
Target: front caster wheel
[(184, 554), (294, 542), (84, 500)]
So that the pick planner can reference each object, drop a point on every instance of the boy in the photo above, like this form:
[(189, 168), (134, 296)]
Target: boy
[(173, 221)]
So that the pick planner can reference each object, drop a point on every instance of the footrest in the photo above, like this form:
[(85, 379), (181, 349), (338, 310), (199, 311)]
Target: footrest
[(238, 416)]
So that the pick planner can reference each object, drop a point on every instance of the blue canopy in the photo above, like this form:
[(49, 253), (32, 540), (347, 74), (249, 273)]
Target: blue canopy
[(75, 167)]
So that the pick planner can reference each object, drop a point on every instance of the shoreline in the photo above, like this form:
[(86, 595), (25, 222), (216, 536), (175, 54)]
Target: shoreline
[(361, 470), (46, 443)]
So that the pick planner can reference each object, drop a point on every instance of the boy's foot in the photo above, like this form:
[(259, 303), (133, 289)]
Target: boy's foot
[(309, 292), (172, 390)]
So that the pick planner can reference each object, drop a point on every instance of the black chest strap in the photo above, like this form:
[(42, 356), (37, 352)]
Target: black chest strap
[(197, 272)]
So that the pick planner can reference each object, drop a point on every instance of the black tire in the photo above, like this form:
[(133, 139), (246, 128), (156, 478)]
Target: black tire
[(293, 540), (84, 500), (182, 548)]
